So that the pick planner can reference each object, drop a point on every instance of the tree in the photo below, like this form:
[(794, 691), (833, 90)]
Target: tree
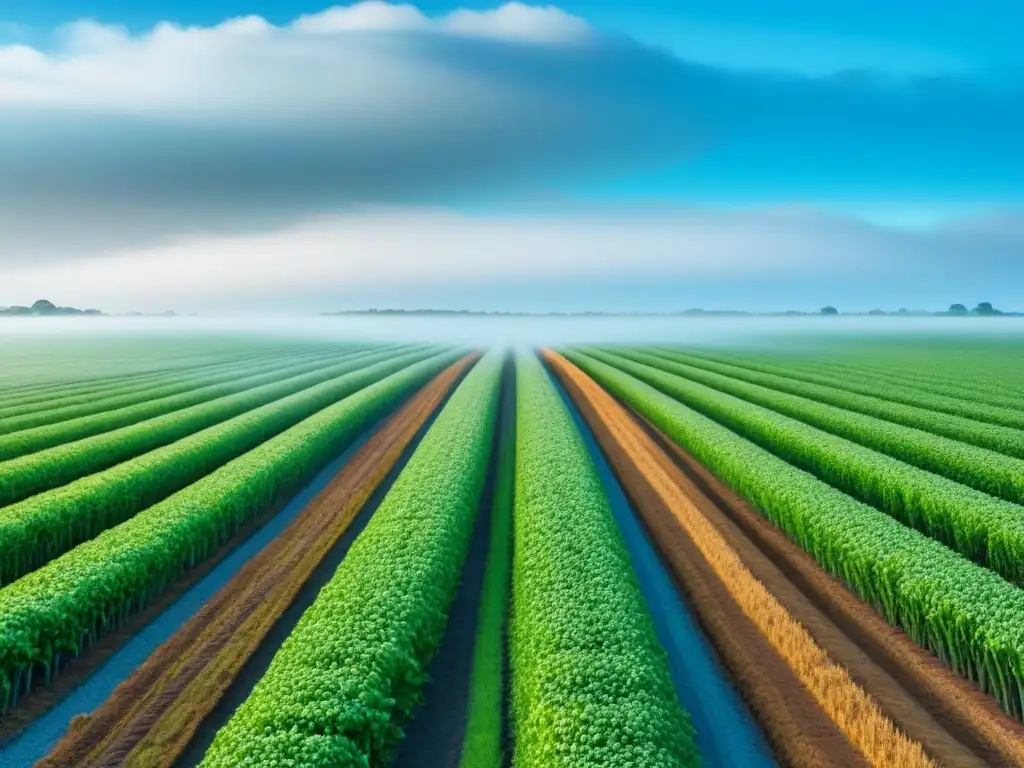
[(957, 309), (829, 311), (986, 308)]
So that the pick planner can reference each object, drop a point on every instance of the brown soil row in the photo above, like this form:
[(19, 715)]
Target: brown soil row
[(151, 717), (984, 737)]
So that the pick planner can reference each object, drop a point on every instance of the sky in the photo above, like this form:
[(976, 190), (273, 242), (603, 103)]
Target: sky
[(266, 156)]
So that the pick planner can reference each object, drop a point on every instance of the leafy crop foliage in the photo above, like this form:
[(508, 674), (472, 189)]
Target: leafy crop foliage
[(349, 675), (483, 745), (590, 682), (40, 438), (94, 587), (995, 437), (879, 377), (37, 472), (74, 408), (989, 531), (980, 468), (36, 530), (969, 616)]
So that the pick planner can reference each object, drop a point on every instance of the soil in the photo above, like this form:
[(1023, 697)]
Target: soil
[(955, 722), (153, 715)]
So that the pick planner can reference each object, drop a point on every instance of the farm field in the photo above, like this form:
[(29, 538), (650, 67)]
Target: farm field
[(241, 549)]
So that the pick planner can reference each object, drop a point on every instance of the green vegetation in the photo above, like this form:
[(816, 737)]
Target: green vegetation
[(590, 682), (66, 406), (40, 438), (34, 473), (987, 530), (45, 526), (74, 599), (483, 743), (982, 469), (350, 673), (818, 385), (969, 616), (995, 437)]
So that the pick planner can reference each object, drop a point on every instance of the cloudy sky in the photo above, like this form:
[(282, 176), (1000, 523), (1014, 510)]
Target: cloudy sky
[(283, 156)]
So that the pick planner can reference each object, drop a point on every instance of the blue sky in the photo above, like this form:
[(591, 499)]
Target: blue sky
[(860, 153)]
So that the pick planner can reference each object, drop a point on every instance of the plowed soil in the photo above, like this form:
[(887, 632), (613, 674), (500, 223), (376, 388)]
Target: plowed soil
[(955, 722), (150, 718)]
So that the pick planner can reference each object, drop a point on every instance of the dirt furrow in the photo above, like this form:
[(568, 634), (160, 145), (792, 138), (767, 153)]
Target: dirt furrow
[(152, 716)]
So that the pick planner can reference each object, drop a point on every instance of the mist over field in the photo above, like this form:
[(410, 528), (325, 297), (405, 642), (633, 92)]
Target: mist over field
[(783, 332)]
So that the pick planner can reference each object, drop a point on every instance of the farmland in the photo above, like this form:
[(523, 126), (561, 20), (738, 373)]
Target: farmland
[(235, 549)]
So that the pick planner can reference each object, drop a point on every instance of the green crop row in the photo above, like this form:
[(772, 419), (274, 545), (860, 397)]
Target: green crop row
[(94, 587), (33, 389), (483, 744), (987, 530), (64, 406), (45, 526), (15, 402), (349, 675), (994, 391), (40, 471), (957, 377), (99, 366), (992, 436), (993, 473), (968, 615), (590, 682), (897, 397), (40, 438)]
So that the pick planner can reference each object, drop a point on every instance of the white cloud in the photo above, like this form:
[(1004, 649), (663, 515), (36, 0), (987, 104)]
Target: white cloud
[(115, 140), (368, 249), (516, 21), (316, 60)]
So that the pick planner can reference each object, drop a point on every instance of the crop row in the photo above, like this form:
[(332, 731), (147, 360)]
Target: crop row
[(590, 682), (40, 438), (98, 366), (993, 390), (992, 436), (987, 530), (36, 530), (64, 407), (969, 616), (91, 589), (349, 675), (38, 387), (893, 395), (483, 744), (40, 471), (957, 378), (988, 471)]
